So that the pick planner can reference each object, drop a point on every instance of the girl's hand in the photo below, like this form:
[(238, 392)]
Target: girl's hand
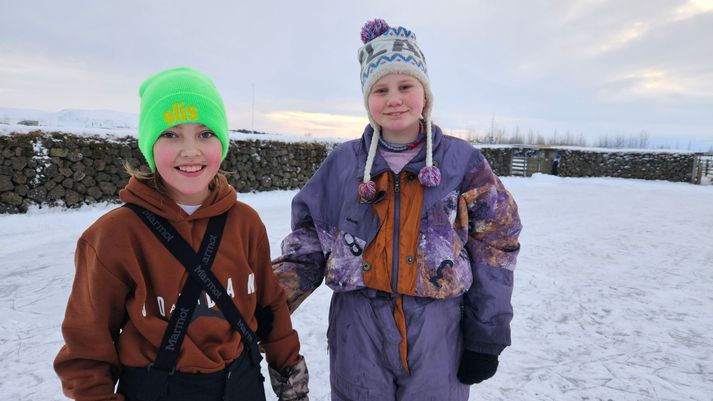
[(476, 367)]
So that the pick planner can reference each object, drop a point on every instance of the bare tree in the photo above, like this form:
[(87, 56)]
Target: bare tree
[(643, 140), (516, 138), (472, 134), (581, 141), (530, 137)]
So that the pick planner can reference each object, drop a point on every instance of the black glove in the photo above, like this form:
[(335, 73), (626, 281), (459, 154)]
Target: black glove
[(264, 318), (476, 367)]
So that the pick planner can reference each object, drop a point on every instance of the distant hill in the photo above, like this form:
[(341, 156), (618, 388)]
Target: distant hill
[(110, 123), (71, 118)]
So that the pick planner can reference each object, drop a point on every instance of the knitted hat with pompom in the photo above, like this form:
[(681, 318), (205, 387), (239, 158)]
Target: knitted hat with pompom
[(389, 50)]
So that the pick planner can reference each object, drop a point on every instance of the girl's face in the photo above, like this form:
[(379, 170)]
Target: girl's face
[(396, 102), (187, 158)]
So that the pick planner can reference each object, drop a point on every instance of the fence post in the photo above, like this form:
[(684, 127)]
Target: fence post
[(539, 161), (695, 172)]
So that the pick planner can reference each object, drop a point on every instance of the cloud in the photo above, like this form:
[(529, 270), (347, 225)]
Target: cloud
[(543, 64), (692, 8), (623, 37), (649, 82), (317, 124), (38, 81)]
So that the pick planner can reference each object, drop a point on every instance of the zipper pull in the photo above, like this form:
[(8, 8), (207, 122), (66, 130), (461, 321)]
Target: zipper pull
[(397, 183)]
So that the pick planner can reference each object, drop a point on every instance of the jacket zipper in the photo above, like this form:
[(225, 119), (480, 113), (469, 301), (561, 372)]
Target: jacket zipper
[(395, 248)]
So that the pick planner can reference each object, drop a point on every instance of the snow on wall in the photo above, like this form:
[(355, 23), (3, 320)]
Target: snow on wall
[(60, 169)]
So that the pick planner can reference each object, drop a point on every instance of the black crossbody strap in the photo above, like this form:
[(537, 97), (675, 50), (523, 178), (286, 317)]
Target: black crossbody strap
[(196, 269), (187, 301), (198, 266)]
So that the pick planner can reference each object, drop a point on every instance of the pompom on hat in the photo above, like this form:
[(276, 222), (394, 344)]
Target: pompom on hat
[(177, 96), (389, 50)]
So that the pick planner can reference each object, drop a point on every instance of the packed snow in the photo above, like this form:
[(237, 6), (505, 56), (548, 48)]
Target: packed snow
[(612, 294)]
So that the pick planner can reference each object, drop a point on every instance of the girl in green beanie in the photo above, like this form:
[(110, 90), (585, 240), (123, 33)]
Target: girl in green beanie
[(174, 291)]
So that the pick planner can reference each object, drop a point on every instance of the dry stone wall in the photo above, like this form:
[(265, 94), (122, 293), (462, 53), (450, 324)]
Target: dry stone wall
[(499, 159), (58, 169), (648, 166)]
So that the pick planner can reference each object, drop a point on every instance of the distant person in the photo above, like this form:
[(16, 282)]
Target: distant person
[(555, 163), (416, 236), (166, 289)]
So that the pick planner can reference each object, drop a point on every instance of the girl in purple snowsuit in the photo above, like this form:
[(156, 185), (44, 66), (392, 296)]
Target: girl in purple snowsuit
[(416, 236)]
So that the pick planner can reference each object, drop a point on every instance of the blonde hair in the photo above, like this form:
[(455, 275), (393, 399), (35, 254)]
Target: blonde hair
[(154, 180)]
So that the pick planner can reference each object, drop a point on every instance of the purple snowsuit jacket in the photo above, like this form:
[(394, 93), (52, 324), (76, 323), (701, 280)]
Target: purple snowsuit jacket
[(469, 220)]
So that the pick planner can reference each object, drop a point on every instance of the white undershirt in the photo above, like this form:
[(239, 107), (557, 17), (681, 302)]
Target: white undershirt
[(189, 209)]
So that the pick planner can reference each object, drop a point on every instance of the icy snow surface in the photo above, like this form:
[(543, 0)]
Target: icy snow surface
[(613, 297)]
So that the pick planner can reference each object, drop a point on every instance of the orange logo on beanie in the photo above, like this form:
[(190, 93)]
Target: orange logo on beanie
[(180, 113)]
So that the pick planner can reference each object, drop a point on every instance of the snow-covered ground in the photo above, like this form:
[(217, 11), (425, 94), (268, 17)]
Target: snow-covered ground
[(613, 296)]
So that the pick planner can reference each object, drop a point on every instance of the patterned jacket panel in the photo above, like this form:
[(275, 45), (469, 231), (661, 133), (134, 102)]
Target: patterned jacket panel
[(493, 230), (444, 269)]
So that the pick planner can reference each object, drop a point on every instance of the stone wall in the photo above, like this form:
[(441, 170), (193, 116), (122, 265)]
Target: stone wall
[(648, 166), (499, 159), (61, 169)]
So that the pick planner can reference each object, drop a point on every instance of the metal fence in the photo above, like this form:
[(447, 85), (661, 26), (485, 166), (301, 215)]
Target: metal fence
[(519, 166), (703, 169), (528, 161)]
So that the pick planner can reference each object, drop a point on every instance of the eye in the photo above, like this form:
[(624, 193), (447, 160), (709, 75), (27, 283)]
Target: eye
[(206, 134), (406, 87), (168, 134), (379, 91)]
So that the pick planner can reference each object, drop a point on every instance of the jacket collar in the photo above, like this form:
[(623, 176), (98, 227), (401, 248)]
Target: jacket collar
[(380, 165)]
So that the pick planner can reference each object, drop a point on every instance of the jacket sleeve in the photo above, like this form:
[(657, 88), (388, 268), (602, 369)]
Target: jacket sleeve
[(282, 345), (88, 364), (305, 251), (301, 266), (493, 230)]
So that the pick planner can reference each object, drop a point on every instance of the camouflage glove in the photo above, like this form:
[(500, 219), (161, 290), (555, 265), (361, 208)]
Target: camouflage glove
[(291, 383)]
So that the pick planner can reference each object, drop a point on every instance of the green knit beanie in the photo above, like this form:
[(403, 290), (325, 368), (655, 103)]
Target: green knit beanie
[(178, 96)]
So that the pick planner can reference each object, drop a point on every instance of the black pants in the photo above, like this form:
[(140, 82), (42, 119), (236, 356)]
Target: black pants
[(240, 380)]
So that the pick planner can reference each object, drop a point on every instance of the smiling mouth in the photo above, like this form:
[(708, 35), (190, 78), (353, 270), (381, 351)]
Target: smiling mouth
[(190, 169), (395, 113)]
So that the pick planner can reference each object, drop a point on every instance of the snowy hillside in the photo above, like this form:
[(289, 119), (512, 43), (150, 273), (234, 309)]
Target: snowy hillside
[(71, 118), (80, 122), (109, 123), (612, 294)]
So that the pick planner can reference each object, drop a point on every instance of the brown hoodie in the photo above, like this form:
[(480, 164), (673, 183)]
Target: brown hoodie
[(126, 283)]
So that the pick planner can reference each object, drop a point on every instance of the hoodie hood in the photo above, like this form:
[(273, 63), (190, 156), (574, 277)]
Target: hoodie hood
[(220, 200)]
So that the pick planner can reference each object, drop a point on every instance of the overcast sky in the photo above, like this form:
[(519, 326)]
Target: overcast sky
[(592, 67)]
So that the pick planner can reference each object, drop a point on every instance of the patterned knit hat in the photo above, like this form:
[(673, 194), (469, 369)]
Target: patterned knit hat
[(390, 50), (178, 96)]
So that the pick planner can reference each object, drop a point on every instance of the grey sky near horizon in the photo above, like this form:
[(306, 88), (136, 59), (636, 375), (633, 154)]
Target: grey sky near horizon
[(595, 67)]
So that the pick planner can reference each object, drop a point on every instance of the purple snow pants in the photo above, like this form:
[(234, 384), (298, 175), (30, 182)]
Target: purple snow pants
[(364, 349)]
